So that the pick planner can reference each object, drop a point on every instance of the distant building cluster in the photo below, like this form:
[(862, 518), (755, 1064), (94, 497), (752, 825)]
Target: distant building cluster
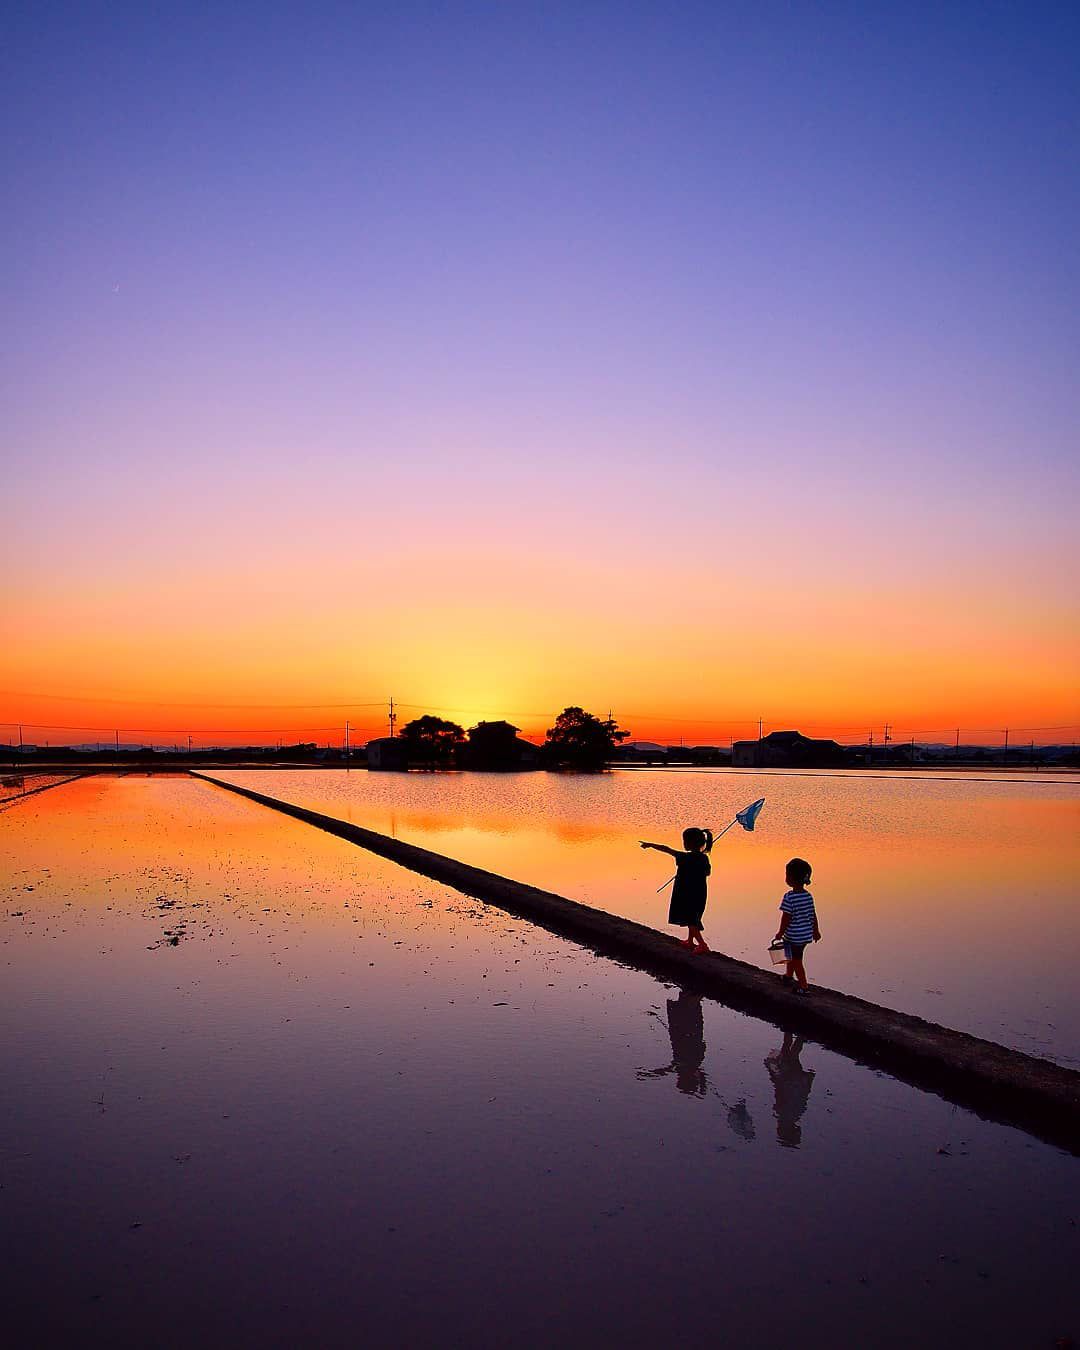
[(777, 750), (395, 752), (431, 743), (789, 750), (793, 750)]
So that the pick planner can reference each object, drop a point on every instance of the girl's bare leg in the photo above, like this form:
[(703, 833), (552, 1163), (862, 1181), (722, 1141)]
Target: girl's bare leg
[(697, 941), (799, 971)]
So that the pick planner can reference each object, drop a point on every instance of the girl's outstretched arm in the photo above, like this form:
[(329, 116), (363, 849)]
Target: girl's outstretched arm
[(660, 848)]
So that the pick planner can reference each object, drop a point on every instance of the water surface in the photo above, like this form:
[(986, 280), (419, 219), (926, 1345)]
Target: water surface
[(262, 1088)]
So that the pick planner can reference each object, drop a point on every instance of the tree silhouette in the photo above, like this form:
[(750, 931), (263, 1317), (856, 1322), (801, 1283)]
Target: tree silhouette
[(493, 745), (578, 740), (432, 740)]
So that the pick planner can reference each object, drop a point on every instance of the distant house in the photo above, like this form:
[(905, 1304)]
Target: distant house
[(495, 747), (528, 754), (387, 752), (788, 750), (691, 754), (708, 754), (639, 752)]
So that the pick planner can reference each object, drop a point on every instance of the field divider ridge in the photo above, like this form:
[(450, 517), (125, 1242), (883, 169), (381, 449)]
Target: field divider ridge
[(998, 1083)]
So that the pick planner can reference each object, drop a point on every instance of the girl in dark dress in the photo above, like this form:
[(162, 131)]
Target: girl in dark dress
[(688, 894)]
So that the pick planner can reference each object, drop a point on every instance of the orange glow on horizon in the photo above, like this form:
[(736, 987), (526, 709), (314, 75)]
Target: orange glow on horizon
[(186, 649)]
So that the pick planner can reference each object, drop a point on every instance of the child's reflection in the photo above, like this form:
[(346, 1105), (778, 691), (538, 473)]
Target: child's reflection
[(792, 1084), (686, 1027)]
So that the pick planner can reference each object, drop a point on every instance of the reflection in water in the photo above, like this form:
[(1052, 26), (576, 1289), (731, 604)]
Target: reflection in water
[(188, 1130), (791, 1081), (792, 1084), (741, 1121), (686, 1027)]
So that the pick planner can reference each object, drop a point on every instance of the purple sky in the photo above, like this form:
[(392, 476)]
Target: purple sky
[(775, 280)]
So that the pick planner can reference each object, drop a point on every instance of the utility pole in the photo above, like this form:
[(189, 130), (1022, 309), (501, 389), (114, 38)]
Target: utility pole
[(913, 749), (20, 739), (759, 724), (870, 747), (956, 752), (1005, 757), (189, 743), (885, 742), (346, 745), (393, 716), (116, 734)]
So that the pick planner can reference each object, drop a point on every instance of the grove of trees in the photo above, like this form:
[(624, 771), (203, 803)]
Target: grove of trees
[(579, 740), (432, 742)]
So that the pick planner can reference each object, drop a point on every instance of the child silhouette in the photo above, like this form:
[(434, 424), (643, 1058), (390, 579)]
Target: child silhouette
[(690, 891)]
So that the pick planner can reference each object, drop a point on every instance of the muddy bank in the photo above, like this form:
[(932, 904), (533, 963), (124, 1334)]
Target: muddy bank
[(999, 1083)]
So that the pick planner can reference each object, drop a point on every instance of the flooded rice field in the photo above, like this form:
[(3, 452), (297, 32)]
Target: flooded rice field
[(263, 1088), (954, 899), (14, 785)]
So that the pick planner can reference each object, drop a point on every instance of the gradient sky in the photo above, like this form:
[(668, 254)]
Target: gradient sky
[(704, 362)]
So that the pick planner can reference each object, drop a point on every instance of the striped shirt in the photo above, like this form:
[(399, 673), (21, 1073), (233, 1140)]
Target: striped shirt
[(800, 906)]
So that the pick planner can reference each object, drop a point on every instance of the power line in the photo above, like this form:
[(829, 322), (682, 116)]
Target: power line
[(168, 703), (662, 718), (187, 730), (658, 722), (651, 717)]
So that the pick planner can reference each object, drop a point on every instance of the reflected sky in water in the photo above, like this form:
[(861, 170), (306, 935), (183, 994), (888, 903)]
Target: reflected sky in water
[(264, 1087), (952, 899)]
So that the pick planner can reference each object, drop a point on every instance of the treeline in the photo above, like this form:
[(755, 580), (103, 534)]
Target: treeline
[(578, 740)]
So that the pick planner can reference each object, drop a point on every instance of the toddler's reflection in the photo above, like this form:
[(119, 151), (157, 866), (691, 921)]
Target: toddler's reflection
[(792, 1084)]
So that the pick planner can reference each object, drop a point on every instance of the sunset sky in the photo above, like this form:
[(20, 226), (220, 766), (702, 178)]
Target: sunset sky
[(703, 362)]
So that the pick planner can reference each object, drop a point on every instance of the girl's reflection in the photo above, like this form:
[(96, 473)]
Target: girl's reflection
[(792, 1084), (686, 1027)]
